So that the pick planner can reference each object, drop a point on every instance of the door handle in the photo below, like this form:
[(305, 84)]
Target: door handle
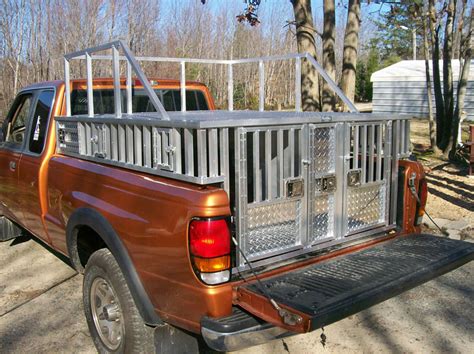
[(13, 165)]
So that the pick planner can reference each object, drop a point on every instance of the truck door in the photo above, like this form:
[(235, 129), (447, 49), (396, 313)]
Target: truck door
[(33, 171), (13, 139)]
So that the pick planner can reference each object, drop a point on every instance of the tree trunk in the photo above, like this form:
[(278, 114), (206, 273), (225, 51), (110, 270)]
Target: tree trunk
[(329, 57), (426, 53), (306, 43), (448, 77), (462, 86), (458, 35), (351, 42), (439, 101)]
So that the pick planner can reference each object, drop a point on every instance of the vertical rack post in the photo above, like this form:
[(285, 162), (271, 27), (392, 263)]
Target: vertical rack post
[(270, 177), (394, 161), (356, 143), (230, 88), (407, 138), (257, 172), (183, 86), (116, 77), (387, 167), (189, 152), (129, 88), (298, 84), (378, 170), (402, 130), (67, 87), (364, 153), (90, 94), (261, 88)]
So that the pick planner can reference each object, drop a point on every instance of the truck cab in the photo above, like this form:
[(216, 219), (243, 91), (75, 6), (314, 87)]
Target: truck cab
[(27, 138)]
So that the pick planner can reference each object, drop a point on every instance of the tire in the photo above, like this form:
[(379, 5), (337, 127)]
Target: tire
[(116, 327)]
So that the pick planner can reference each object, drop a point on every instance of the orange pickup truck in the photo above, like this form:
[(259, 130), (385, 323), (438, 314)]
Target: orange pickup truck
[(232, 227)]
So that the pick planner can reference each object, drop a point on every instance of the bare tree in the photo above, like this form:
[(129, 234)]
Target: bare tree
[(142, 19), (329, 58), (435, 53), (448, 109), (306, 43), (426, 52), (14, 30), (448, 75), (351, 43), (466, 44)]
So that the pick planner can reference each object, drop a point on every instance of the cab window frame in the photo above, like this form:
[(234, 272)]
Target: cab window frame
[(10, 145), (38, 92)]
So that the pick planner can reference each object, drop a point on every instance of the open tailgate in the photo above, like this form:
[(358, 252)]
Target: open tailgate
[(326, 292)]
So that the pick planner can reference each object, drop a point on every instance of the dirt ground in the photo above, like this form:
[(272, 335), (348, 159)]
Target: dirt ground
[(451, 190)]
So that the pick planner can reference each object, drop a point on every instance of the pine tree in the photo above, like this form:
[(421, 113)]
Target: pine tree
[(394, 31)]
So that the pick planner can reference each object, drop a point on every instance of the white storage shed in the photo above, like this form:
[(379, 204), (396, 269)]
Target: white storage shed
[(401, 88)]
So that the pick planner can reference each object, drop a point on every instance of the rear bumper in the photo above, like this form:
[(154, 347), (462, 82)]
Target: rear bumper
[(239, 331)]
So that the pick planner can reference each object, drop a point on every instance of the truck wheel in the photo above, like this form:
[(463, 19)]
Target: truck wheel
[(112, 316)]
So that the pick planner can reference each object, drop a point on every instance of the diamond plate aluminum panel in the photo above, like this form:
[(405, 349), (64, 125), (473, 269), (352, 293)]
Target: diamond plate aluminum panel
[(365, 206), (323, 157), (323, 145), (69, 141), (273, 227), (323, 217)]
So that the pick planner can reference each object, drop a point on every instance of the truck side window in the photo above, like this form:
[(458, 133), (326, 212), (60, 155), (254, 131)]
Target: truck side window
[(17, 120), (39, 125)]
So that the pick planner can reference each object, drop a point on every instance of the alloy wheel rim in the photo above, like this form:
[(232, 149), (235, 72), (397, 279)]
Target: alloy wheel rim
[(106, 313)]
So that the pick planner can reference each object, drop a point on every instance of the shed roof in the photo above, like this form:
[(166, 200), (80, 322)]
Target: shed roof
[(414, 70)]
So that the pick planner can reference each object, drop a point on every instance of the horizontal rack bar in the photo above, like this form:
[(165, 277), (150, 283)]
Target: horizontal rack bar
[(226, 119)]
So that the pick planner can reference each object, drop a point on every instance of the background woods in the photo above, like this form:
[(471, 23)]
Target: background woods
[(351, 38), (34, 34)]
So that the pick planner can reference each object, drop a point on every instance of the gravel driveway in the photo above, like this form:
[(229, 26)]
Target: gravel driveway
[(41, 312)]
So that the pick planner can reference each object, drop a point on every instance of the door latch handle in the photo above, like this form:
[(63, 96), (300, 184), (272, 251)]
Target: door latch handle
[(13, 165), (326, 184)]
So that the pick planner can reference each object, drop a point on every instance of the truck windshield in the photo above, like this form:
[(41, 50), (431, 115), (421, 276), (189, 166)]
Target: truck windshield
[(104, 101)]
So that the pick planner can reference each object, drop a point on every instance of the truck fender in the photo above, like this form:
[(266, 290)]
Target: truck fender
[(93, 219)]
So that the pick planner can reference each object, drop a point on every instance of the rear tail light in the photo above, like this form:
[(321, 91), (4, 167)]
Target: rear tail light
[(209, 246), (211, 264)]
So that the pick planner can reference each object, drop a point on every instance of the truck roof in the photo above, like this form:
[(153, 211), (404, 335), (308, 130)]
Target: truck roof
[(108, 82)]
